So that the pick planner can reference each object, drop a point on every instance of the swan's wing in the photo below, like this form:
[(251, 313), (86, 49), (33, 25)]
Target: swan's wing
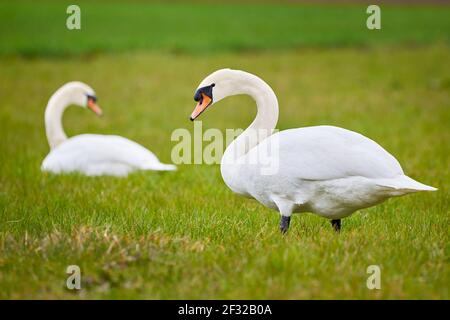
[(81, 152), (327, 152)]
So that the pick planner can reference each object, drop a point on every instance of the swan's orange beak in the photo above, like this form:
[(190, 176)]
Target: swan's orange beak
[(94, 107), (201, 106)]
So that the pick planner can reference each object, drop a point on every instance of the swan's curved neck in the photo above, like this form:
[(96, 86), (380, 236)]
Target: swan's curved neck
[(53, 119), (265, 121)]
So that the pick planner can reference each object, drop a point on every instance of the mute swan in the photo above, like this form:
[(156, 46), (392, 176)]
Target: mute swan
[(90, 154), (326, 170)]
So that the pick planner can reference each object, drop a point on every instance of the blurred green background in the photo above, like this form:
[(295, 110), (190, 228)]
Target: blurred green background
[(210, 26), (185, 235)]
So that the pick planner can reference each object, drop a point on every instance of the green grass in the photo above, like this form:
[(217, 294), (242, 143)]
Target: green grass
[(209, 27), (184, 234)]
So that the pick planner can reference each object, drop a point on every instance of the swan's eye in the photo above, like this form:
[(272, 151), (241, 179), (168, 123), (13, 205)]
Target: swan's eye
[(91, 97), (198, 95), (207, 91)]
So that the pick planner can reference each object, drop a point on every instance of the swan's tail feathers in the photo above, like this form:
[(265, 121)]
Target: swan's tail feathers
[(160, 167), (403, 184)]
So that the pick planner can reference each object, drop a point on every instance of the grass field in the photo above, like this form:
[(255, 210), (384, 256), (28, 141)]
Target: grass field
[(185, 235)]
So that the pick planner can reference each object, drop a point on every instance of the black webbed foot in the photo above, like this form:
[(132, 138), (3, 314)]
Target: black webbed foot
[(284, 224), (336, 224)]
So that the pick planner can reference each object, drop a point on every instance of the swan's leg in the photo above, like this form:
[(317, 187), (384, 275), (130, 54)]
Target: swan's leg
[(285, 208), (336, 224), (284, 223)]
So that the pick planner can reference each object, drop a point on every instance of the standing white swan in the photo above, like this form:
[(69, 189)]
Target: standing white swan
[(326, 170), (90, 154)]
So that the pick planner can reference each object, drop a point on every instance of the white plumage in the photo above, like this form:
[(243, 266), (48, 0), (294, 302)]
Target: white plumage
[(91, 154), (96, 155), (326, 170)]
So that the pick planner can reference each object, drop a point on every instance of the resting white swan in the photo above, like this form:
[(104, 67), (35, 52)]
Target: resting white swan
[(90, 154), (326, 170)]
